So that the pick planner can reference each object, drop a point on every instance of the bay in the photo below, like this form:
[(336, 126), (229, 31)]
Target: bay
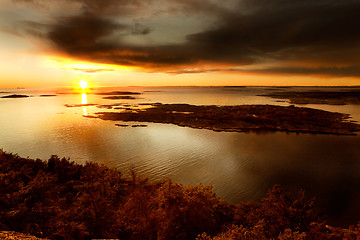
[(240, 166)]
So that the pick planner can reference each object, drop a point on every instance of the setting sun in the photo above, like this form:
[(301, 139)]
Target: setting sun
[(83, 84), (180, 119)]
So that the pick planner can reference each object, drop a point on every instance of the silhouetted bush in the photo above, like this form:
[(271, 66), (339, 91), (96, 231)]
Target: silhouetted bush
[(59, 199), (171, 211)]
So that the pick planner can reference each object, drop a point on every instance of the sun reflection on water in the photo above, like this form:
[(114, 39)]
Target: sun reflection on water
[(84, 101)]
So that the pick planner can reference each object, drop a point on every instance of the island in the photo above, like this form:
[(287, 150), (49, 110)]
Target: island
[(16, 96), (48, 95), (331, 98), (119, 97), (79, 105), (139, 125), (242, 118), (106, 106), (119, 93), (121, 125)]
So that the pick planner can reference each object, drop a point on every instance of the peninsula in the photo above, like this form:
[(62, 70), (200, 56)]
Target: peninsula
[(119, 97), (331, 98), (243, 118), (119, 93), (16, 96)]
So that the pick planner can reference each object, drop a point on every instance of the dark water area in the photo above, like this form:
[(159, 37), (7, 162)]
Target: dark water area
[(240, 166)]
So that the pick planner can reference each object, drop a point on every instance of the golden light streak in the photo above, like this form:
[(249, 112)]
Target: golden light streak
[(84, 101), (85, 67)]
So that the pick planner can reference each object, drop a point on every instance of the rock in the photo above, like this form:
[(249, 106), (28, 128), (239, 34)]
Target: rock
[(16, 96)]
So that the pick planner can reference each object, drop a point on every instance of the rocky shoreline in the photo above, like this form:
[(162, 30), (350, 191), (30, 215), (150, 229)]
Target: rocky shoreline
[(243, 118), (16, 96), (331, 98)]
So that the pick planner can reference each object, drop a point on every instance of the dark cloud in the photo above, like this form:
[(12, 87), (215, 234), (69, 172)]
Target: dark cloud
[(140, 29), (83, 33), (277, 27), (195, 70), (324, 32), (100, 7), (351, 71)]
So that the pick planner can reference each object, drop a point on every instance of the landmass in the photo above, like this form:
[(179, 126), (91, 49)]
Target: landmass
[(122, 125), (234, 88), (119, 93), (48, 95), (106, 106), (119, 97), (139, 125), (16, 96), (243, 118), (59, 199), (134, 125), (79, 105), (331, 98), (115, 95), (272, 89)]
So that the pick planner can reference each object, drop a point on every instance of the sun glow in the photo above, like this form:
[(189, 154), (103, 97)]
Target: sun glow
[(83, 84), (86, 67)]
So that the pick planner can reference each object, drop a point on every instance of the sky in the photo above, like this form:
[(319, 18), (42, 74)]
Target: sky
[(50, 43)]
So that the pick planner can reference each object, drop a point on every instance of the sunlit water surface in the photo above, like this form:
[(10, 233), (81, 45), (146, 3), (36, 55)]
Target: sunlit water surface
[(240, 166)]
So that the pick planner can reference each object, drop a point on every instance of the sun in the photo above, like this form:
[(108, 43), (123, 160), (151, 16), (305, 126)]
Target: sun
[(83, 84)]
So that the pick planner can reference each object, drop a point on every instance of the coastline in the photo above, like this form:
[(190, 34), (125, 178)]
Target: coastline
[(242, 118), (324, 97), (60, 199)]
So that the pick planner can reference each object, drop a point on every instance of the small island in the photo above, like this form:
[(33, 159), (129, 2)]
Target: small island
[(16, 96), (79, 105), (118, 97), (121, 125), (243, 118), (119, 93), (105, 106), (48, 95), (139, 125), (115, 95), (331, 98)]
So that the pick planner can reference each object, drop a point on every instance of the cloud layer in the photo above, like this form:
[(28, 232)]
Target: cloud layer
[(295, 37)]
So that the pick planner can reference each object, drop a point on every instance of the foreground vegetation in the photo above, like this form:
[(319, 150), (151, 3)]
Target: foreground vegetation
[(59, 199)]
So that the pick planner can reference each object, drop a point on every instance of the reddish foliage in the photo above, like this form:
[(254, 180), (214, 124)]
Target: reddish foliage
[(59, 199)]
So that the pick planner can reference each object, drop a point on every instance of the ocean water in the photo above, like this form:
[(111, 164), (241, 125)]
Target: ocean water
[(239, 166)]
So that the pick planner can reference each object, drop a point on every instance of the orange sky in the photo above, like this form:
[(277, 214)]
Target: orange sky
[(197, 43)]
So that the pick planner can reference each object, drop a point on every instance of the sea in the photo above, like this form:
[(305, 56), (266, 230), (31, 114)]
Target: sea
[(241, 167)]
